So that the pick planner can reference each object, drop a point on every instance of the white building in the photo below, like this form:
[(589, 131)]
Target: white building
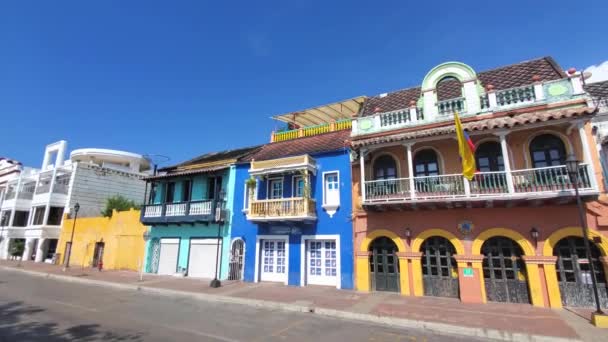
[(36, 199), (599, 99)]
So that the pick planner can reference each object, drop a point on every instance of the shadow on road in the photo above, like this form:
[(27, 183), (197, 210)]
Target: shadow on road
[(18, 323)]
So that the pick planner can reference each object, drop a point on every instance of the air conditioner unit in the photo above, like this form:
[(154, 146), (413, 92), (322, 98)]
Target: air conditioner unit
[(220, 214)]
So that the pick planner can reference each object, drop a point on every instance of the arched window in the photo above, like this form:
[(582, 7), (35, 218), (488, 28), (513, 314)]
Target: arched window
[(385, 167), (489, 157), (449, 88), (547, 150), (426, 164)]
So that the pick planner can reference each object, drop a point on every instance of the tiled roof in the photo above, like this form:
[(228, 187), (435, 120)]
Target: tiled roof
[(213, 157), (598, 90), (505, 77), (309, 145), (505, 121), (189, 172)]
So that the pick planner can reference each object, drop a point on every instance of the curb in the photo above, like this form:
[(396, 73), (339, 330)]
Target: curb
[(438, 328)]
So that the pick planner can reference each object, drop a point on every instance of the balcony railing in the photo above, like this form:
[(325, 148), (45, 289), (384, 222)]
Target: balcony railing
[(489, 101), (311, 130), (284, 208), (192, 211), (10, 195), (552, 180)]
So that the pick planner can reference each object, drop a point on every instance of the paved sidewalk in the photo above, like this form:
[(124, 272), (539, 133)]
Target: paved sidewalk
[(493, 320)]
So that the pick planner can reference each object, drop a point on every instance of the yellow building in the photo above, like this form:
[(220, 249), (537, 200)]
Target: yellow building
[(117, 240)]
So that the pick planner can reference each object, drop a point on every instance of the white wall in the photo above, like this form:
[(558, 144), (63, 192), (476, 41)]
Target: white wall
[(92, 185)]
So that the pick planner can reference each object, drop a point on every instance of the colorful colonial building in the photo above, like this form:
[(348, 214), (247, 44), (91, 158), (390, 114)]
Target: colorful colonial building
[(188, 208), (293, 224), (511, 234)]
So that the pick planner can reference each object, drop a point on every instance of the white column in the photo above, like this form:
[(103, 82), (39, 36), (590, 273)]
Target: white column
[(413, 114), (430, 108), (577, 85), (492, 99), (472, 103), (587, 155), (467, 186), (17, 190), (48, 203), (40, 250), (4, 246), (410, 170), (506, 160), (539, 94), (362, 153), (27, 251)]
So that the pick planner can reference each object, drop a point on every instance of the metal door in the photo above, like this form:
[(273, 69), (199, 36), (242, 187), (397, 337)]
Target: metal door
[(504, 271), (384, 265), (154, 256), (439, 270), (236, 260), (574, 273)]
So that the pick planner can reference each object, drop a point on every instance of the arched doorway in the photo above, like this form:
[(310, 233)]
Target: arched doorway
[(574, 273), (236, 260), (439, 269), (504, 271), (384, 265)]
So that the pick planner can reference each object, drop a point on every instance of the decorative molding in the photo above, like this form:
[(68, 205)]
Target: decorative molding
[(539, 259)]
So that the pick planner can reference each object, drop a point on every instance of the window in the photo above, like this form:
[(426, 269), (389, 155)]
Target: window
[(186, 190), (298, 186), (38, 215), (170, 192), (5, 216), (246, 195), (153, 190), (385, 167), (547, 150), (331, 188), (489, 157), (21, 217), (55, 214), (214, 187), (276, 188), (426, 164)]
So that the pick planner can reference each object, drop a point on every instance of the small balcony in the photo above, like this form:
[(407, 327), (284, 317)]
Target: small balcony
[(283, 209), (527, 184), (181, 212)]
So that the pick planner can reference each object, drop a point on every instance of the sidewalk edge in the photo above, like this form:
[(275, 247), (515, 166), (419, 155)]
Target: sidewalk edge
[(438, 328)]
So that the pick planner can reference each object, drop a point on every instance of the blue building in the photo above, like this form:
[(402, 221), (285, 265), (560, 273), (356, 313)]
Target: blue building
[(292, 217), (188, 208)]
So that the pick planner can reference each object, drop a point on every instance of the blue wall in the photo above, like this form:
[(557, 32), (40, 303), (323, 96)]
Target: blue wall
[(340, 223)]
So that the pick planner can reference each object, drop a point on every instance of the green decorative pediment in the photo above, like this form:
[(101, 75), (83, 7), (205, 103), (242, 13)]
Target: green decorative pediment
[(366, 124), (557, 90)]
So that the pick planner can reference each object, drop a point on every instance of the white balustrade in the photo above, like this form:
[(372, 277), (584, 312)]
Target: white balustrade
[(153, 210), (200, 208), (175, 209), (515, 96)]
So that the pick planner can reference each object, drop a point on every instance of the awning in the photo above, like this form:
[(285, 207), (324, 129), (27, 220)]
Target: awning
[(329, 113)]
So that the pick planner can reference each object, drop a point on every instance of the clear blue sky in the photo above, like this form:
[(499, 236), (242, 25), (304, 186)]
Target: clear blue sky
[(181, 78)]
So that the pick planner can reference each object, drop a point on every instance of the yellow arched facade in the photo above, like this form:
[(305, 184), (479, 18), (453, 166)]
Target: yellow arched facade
[(362, 260), (555, 297), (417, 243)]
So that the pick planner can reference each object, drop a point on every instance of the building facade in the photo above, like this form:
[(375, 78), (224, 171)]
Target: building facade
[(292, 222), (116, 242), (188, 210), (38, 199), (9, 171), (512, 233)]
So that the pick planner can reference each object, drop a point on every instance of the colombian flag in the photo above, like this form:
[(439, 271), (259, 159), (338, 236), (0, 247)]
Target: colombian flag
[(466, 148)]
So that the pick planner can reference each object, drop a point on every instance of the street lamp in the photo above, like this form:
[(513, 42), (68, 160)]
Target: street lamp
[(76, 208), (572, 166), (218, 207)]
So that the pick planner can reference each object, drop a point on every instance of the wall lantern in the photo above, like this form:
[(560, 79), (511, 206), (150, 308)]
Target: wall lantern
[(534, 234)]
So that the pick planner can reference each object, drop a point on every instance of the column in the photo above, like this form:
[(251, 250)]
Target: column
[(17, 190), (362, 154), (506, 160), (470, 278), (415, 258), (362, 282), (551, 286), (40, 250), (430, 107), (587, 154), (410, 171), (48, 203), (472, 103), (4, 247), (27, 251)]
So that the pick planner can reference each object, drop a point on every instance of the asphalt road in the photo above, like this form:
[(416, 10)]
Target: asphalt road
[(38, 309)]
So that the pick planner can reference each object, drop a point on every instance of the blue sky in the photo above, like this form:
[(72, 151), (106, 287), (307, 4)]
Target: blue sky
[(181, 78)]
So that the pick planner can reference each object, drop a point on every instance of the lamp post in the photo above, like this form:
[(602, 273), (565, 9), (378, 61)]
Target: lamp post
[(215, 283), (67, 263), (572, 165)]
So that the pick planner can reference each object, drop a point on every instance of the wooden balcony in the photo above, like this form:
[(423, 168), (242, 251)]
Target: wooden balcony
[(284, 209), (528, 184), (181, 212)]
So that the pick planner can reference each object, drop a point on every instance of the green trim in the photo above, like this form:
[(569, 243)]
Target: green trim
[(439, 69)]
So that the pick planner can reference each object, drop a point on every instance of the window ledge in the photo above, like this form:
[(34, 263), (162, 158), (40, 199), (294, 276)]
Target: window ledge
[(331, 208)]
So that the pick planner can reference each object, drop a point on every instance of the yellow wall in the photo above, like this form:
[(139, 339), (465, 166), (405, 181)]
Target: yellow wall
[(122, 235)]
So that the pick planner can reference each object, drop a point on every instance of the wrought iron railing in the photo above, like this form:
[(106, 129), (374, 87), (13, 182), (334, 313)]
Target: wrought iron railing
[(553, 179)]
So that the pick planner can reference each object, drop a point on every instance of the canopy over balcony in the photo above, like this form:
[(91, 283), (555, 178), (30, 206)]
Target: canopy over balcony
[(283, 165)]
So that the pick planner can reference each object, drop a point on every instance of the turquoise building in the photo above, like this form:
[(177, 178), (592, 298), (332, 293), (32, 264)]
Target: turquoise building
[(188, 208)]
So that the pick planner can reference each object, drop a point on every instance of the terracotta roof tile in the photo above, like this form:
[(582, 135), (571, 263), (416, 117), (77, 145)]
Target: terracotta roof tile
[(598, 90), (505, 77), (214, 156), (309, 145), (507, 121)]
